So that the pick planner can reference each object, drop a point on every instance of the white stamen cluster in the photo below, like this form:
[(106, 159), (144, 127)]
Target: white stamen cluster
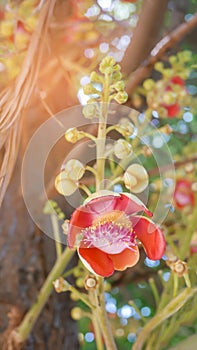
[(107, 233)]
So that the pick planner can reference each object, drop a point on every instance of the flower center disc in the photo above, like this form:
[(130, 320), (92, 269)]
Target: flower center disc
[(111, 233)]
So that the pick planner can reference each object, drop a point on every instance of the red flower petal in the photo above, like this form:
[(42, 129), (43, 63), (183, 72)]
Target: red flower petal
[(98, 261), (130, 204), (173, 110), (127, 258), (177, 80), (151, 237), (81, 218), (183, 194), (102, 205)]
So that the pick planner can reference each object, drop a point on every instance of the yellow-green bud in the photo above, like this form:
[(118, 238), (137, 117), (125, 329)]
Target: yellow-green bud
[(119, 86), (95, 78), (126, 126), (185, 55), (172, 59), (106, 66), (89, 89), (168, 72), (117, 75), (80, 282), (169, 98), (64, 185), (74, 296), (74, 169), (136, 178), (90, 111), (148, 84), (122, 149), (73, 135), (158, 66), (76, 313), (121, 97)]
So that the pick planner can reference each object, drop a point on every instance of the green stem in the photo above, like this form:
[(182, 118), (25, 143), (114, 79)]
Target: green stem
[(103, 319), (154, 290), (81, 296), (115, 181), (92, 170), (176, 284), (100, 312), (97, 329), (89, 136), (30, 318), (101, 137), (85, 189), (170, 309), (100, 150), (185, 243), (58, 245)]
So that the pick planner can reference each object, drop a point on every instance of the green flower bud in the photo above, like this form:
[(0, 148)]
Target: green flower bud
[(73, 135), (116, 76), (169, 98), (184, 56), (49, 207), (95, 78), (122, 149), (89, 89), (127, 127), (116, 68), (159, 66), (148, 84), (80, 282), (74, 169), (173, 59), (121, 97), (168, 73), (136, 178), (76, 313), (64, 185), (119, 86), (107, 64), (90, 111)]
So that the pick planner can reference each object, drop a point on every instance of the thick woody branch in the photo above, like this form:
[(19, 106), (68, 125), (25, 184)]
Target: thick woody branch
[(157, 52), (145, 34)]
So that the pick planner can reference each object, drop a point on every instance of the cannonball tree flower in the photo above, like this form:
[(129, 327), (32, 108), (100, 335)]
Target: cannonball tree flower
[(171, 103), (106, 231), (183, 194)]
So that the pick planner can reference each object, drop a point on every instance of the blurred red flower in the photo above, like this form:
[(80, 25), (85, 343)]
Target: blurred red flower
[(183, 195), (174, 108)]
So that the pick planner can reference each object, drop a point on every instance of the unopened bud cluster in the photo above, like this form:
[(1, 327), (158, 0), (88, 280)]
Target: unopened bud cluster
[(108, 79), (168, 95), (66, 181)]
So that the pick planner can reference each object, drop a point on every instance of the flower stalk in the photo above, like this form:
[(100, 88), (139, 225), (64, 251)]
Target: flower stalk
[(170, 309), (103, 319)]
